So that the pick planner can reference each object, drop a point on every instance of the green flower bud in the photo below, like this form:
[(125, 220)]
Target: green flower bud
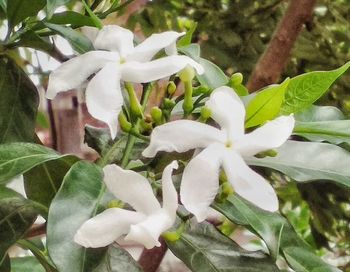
[(168, 103), (205, 113), (135, 106), (157, 115), (236, 79), (187, 74), (124, 123), (171, 88)]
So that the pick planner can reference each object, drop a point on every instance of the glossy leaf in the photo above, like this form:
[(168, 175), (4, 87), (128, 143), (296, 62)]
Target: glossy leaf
[(118, 260), (44, 180), (309, 161), (273, 228), (305, 89), (77, 200), (17, 214), (203, 248), (266, 104), (53, 4), (77, 40), (18, 10), (319, 113), (17, 158), (18, 104)]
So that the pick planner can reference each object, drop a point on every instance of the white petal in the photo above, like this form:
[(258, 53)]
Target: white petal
[(170, 202), (115, 38), (130, 187), (104, 99), (138, 72), (200, 181), (181, 136), (271, 135), (249, 184), (90, 32), (148, 231), (146, 50), (228, 111), (72, 73), (106, 227)]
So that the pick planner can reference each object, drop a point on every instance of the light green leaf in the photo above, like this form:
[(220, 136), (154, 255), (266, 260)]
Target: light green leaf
[(305, 89), (273, 228), (18, 104), (26, 264), (18, 10), (192, 50), (17, 214), (186, 40), (319, 113), (203, 248), (17, 158), (53, 4), (77, 40), (266, 104), (3, 4), (307, 161), (43, 181)]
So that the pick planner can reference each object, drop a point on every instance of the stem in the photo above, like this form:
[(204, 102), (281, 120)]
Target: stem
[(128, 148), (188, 103), (151, 259)]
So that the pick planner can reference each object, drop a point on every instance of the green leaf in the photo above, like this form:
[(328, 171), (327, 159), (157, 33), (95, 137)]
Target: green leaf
[(266, 104), (18, 10), (5, 264), (97, 22), (44, 180), (17, 158), (305, 89), (273, 228), (186, 40), (18, 104), (203, 248), (77, 40), (319, 113), (26, 264), (77, 200), (3, 4), (71, 18), (32, 40), (118, 260), (98, 138), (192, 50), (53, 4), (307, 161), (17, 214)]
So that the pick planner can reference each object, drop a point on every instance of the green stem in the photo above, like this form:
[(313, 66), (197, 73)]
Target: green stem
[(188, 103), (128, 148)]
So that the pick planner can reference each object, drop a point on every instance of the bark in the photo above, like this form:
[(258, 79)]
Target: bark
[(271, 64), (151, 259)]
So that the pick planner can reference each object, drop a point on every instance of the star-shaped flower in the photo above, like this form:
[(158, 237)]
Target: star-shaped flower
[(145, 224), (116, 59), (222, 148)]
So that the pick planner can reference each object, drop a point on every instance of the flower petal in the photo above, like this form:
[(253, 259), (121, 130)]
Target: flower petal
[(148, 231), (200, 181), (181, 136), (72, 73), (115, 38), (138, 72), (228, 111), (146, 50), (90, 32), (249, 184), (170, 202), (106, 227), (104, 99), (271, 135), (130, 187)]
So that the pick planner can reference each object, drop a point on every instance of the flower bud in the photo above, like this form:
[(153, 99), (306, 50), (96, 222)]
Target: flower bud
[(124, 123), (187, 74), (205, 113), (157, 115), (171, 88), (236, 79), (168, 103)]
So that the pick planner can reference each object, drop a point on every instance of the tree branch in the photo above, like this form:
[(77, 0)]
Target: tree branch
[(277, 53), (151, 259)]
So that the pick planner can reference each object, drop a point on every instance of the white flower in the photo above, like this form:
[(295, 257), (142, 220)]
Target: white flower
[(145, 224), (222, 148), (115, 60)]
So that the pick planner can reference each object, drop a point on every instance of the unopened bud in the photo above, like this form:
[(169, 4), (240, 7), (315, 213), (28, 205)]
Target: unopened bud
[(171, 88), (187, 74), (236, 79), (168, 103), (157, 115), (124, 123)]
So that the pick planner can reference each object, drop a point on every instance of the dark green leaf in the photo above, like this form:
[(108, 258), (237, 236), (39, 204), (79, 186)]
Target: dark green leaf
[(26, 264), (43, 181), (3, 4), (53, 4), (273, 228), (71, 18), (118, 260), (32, 40), (203, 248), (98, 138), (77, 40), (5, 264), (17, 158), (307, 161), (266, 104), (17, 214), (18, 10), (77, 200), (19, 101), (305, 89)]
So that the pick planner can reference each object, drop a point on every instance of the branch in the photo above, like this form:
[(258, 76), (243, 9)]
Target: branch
[(271, 64), (151, 259), (36, 230)]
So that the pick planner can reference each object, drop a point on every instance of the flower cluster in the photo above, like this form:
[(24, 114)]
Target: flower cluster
[(116, 61)]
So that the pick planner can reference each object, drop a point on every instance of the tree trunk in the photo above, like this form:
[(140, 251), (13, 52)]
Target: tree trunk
[(271, 64)]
